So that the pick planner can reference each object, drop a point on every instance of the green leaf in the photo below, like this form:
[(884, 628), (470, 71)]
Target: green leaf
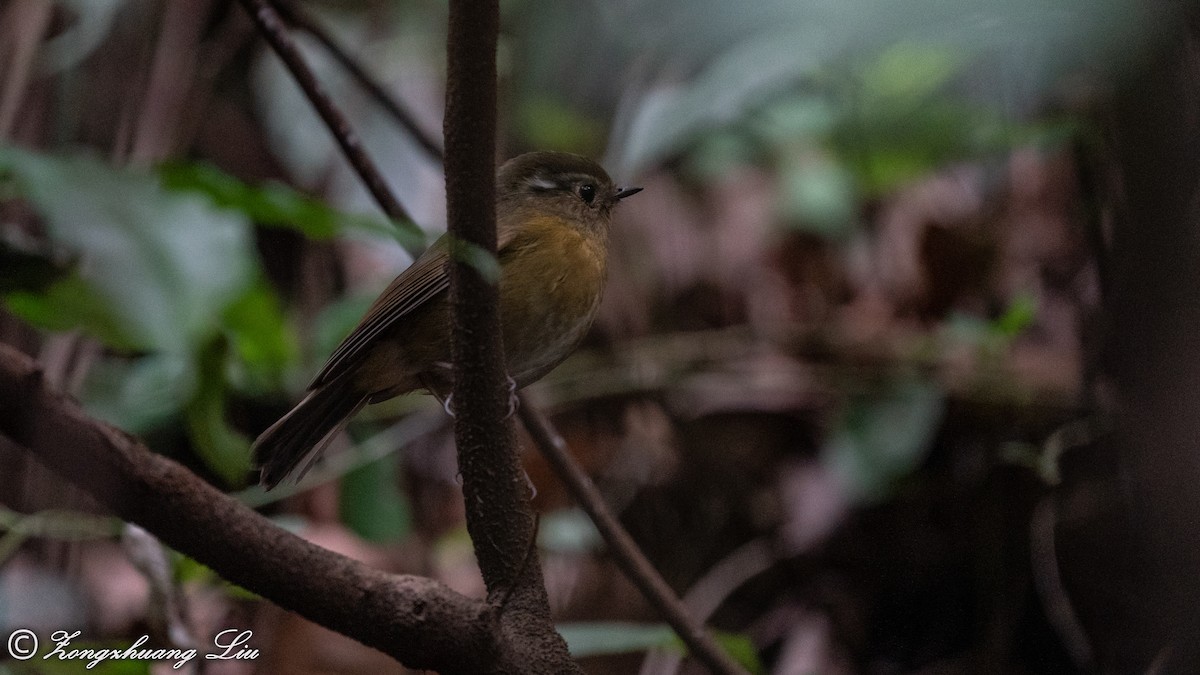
[(188, 570), (277, 205), (74, 303), (742, 649), (884, 437), (548, 124), (909, 72), (223, 450), (713, 155), (335, 322), (735, 82), (606, 638), (91, 22), (1020, 315), (601, 638), (798, 115), (473, 255), (372, 504), (263, 345), (569, 531), (818, 194), (158, 266), (140, 394)]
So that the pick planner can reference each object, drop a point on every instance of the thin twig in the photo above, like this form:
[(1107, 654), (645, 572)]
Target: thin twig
[(706, 595), (625, 550), (300, 19), (1048, 582), (273, 29)]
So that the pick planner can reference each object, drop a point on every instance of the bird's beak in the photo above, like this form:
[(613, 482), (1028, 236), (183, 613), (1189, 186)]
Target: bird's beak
[(624, 192)]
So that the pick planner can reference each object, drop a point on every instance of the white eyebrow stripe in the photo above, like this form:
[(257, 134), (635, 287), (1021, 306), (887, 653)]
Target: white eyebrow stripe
[(541, 183)]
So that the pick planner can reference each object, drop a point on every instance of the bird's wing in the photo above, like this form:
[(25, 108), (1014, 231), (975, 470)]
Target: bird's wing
[(421, 282)]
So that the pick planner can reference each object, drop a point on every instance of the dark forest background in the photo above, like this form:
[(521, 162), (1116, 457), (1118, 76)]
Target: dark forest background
[(896, 370)]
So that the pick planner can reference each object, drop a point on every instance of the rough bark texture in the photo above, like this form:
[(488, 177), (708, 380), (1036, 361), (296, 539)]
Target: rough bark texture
[(499, 518), (418, 621), (1132, 563)]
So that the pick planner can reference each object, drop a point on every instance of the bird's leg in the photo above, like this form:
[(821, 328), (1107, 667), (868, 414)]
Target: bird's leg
[(444, 400), (529, 484), (513, 403)]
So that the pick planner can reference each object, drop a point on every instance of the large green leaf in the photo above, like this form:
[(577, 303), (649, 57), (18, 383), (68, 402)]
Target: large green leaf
[(156, 268), (140, 394)]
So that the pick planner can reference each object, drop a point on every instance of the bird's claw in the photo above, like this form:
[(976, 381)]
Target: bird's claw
[(513, 400)]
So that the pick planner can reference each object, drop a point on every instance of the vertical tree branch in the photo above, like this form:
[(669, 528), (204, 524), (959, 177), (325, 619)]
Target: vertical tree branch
[(1130, 561), (1155, 337), (499, 518), (482, 446)]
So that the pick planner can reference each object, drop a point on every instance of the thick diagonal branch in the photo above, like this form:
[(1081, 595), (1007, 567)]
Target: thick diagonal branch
[(420, 622)]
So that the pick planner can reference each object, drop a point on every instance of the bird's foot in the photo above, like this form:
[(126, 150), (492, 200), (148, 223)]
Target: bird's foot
[(514, 401), (529, 484)]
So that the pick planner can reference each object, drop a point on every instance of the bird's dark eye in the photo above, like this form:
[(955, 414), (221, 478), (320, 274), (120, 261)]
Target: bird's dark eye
[(587, 192)]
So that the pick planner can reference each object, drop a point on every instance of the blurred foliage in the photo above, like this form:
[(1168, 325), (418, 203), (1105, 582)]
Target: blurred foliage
[(166, 275), (54, 524), (372, 505), (157, 268), (409, 58), (605, 638), (568, 531), (185, 570), (93, 20), (884, 435), (842, 101), (278, 205)]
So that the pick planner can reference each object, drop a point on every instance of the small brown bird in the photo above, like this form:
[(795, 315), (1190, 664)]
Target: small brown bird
[(552, 215)]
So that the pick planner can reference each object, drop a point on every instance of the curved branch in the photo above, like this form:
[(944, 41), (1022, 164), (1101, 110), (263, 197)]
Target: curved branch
[(418, 621)]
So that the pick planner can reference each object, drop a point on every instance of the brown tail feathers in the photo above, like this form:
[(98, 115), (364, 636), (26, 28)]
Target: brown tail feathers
[(300, 436)]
